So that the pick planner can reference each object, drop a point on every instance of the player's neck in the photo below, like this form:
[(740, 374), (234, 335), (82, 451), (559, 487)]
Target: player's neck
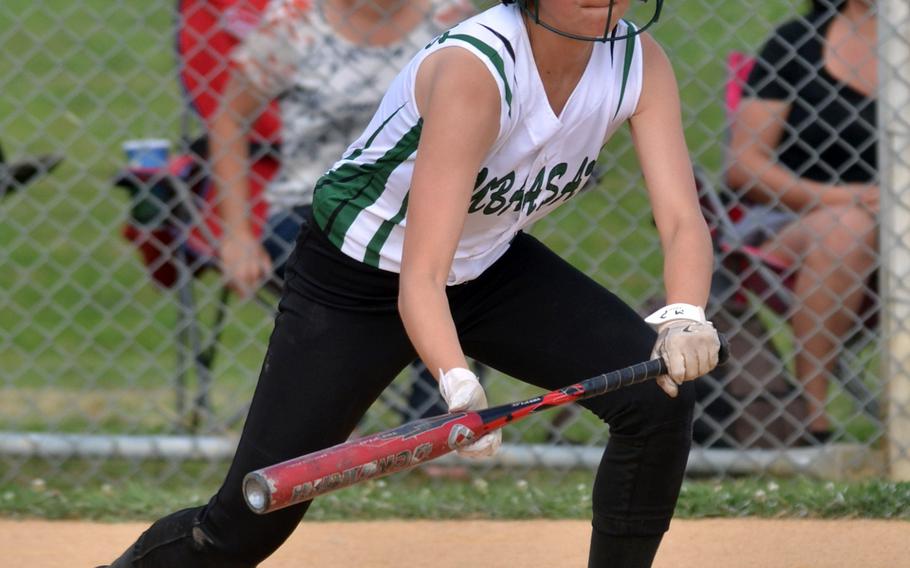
[(558, 56), (560, 61)]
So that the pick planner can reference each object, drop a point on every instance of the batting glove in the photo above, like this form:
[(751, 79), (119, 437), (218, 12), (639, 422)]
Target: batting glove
[(686, 341), (462, 391)]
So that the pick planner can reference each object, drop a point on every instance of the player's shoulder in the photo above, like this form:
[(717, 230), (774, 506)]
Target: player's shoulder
[(488, 50), (653, 54), (494, 33), (658, 80), (489, 37)]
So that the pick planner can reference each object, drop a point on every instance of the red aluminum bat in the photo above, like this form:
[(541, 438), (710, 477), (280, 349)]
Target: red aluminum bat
[(303, 478)]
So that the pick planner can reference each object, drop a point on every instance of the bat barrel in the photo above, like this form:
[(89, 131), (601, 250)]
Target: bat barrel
[(306, 477)]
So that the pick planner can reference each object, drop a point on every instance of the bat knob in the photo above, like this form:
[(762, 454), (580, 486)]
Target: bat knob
[(256, 493)]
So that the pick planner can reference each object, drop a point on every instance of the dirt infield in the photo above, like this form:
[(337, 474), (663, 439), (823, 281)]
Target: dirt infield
[(740, 543)]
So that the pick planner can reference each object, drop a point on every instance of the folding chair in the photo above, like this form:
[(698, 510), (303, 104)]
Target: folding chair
[(746, 281), (173, 222)]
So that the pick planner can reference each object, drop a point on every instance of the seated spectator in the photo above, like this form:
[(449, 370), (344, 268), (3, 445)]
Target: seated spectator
[(804, 149), (328, 63)]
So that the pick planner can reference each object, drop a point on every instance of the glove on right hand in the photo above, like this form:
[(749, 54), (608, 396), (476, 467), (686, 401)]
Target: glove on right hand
[(462, 391), (687, 343)]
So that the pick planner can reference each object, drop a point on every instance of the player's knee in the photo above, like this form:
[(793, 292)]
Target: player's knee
[(651, 410), (672, 411)]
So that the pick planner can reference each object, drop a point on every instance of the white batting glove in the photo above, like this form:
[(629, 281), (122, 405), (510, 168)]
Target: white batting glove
[(686, 341), (462, 391)]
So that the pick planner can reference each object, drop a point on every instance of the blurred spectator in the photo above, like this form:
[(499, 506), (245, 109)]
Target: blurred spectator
[(804, 150), (328, 63)]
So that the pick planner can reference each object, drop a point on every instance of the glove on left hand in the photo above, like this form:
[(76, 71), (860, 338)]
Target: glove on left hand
[(462, 391)]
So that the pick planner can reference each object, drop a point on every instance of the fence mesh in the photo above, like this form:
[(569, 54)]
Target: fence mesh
[(119, 340)]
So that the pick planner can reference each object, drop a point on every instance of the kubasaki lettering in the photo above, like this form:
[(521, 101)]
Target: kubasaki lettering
[(498, 195)]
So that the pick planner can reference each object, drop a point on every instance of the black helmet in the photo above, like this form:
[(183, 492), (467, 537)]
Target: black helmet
[(534, 14)]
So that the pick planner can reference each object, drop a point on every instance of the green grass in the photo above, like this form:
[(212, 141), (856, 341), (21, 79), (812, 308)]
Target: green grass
[(494, 495)]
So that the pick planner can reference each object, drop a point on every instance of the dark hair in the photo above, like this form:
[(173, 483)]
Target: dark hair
[(821, 6)]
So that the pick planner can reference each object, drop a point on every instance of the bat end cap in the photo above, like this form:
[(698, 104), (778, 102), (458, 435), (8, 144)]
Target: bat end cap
[(256, 494)]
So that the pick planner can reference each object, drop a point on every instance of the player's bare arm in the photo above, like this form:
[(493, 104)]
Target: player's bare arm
[(661, 147), (686, 341), (460, 105), (245, 261)]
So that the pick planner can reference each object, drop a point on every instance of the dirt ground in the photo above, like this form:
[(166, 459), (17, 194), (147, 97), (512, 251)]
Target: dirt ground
[(738, 543)]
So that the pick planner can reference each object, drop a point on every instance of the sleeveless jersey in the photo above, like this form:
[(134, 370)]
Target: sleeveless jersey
[(537, 162)]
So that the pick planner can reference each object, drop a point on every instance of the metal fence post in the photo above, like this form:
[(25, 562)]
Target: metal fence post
[(894, 152)]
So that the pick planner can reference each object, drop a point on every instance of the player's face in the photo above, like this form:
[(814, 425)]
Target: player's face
[(583, 17)]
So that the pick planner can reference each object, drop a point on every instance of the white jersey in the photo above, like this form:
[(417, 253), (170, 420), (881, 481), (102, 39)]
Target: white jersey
[(538, 161)]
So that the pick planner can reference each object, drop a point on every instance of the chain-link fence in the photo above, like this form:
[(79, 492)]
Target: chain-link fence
[(120, 340)]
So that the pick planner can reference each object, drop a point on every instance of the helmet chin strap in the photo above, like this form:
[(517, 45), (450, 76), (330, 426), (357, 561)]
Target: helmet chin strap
[(610, 32)]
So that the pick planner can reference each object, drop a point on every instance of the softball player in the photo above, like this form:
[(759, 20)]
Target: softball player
[(416, 247)]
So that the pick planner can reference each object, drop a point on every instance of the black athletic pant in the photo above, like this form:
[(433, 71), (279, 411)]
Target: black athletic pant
[(338, 342)]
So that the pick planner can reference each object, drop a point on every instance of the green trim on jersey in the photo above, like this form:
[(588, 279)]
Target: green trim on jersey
[(344, 192), (491, 54), (627, 65), (356, 153), (382, 235)]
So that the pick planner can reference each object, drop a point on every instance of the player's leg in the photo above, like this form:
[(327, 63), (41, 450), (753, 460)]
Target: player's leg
[(325, 365), (534, 316)]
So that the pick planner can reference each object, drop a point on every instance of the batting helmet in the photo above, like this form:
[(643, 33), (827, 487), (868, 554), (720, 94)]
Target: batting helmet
[(609, 32)]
